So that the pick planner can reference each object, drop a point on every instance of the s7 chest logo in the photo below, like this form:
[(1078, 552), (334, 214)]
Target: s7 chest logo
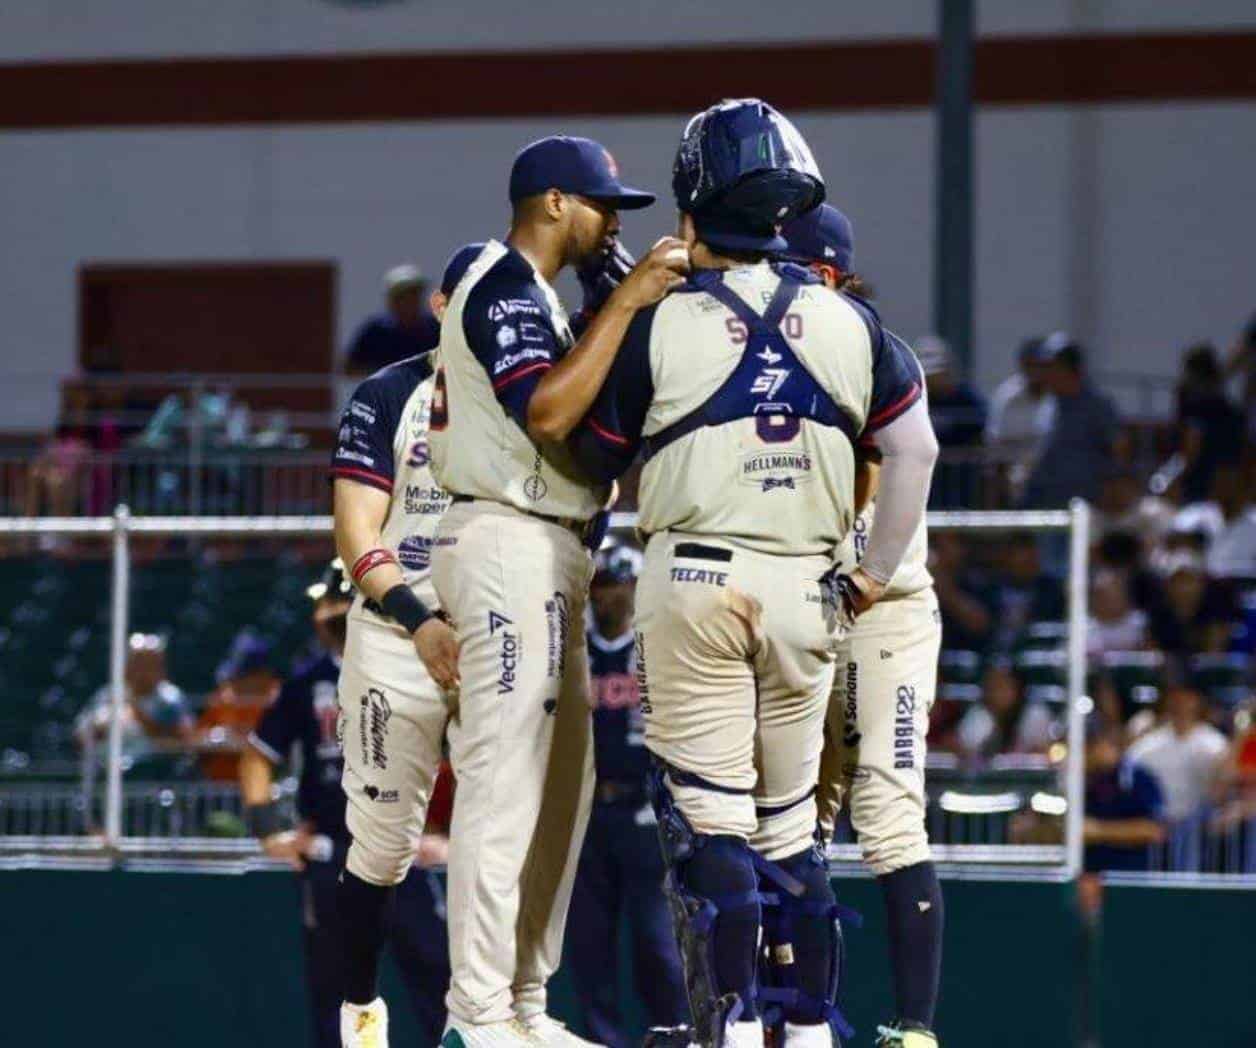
[(769, 381)]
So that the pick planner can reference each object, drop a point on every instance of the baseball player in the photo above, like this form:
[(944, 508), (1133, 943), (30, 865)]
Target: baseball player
[(886, 679), (394, 706), (304, 716), (621, 869), (745, 394), (512, 572)]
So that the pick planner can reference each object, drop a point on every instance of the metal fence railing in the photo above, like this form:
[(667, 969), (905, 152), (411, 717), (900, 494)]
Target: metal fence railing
[(972, 811)]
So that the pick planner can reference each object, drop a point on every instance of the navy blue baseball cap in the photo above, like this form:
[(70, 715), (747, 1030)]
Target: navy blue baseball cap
[(823, 234), (573, 165), (456, 267)]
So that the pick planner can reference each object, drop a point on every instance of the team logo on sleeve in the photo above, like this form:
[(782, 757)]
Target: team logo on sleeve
[(506, 336)]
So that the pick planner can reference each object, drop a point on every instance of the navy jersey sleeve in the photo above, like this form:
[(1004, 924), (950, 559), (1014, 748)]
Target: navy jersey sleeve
[(509, 329), (895, 372), (281, 723), (607, 441), (368, 427)]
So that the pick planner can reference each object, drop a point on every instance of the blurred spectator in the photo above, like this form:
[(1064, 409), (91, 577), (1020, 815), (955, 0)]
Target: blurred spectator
[(1006, 721), (1080, 448), (1242, 362), (1125, 507), (1210, 427), (1239, 773), (958, 413), (57, 482), (964, 598), (1023, 594), (1124, 806), (1185, 753), (1020, 413), (406, 326), (1228, 524), (1114, 623), (155, 715), (1195, 616), (247, 683)]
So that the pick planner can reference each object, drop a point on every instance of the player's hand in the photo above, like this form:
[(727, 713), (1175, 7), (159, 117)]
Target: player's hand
[(601, 274), (847, 596), (288, 847), (661, 271), (433, 851), (437, 645)]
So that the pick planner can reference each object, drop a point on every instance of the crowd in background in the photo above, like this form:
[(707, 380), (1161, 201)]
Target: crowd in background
[(1172, 593)]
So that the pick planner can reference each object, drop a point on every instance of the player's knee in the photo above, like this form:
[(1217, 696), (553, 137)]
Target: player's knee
[(889, 851), (380, 865)]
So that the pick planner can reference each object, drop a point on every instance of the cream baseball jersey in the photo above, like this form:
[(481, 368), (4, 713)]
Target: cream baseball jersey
[(383, 442), (503, 329), (912, 574), (745, 391)]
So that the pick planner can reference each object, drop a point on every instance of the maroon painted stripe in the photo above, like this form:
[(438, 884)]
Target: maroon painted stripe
[(1037, 70)]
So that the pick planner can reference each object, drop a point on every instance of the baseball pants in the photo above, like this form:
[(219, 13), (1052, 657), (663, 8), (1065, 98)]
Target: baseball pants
[(521, 746), (738, 664), (878, 719), (620, 883), (416, 938), (392, 725)]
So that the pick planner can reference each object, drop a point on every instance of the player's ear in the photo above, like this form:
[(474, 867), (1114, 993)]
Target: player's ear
[(554, 203), (437, 302)]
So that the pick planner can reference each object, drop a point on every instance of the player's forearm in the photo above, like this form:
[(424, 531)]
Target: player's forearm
[(360, 512), (908, 451), (567, 390), (256, 777), (1124, 832)]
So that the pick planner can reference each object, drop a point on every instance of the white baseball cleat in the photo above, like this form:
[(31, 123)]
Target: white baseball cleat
[(552, 1032), (364, 1025), (744, 1035), (510, 1033), (819, 1035)]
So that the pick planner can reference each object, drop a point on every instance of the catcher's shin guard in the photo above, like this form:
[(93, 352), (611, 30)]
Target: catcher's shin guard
[(708, 877), (804, 954)]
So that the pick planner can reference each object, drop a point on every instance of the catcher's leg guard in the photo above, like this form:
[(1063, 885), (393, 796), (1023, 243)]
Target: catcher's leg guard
[(712, 894), (804, 951)]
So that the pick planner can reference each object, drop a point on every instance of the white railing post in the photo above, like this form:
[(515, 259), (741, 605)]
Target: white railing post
[(119, 613), (1075, 761)]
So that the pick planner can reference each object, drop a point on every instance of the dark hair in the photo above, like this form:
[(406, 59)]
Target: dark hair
[(1201, 365), (1120, 549), (1070, 356), (854, 283)]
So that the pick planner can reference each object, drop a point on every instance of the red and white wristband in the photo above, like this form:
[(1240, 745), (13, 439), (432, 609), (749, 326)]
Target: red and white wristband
[(370, 560), (399, 603)]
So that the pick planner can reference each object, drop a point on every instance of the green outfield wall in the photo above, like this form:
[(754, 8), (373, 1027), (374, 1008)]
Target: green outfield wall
[(201, 960)]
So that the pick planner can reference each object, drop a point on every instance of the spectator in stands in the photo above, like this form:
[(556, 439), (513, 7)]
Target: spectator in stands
[(1185, 753), (58, 485), (1006, 721), (958, 413), (1242, 362), (1082, 445), (1020, 414), (1023, 594), (1196, 616), (405, 328), (247, 683), (1228, 523), (964, 597), (1124, 506), (155, 715), (1114, 623), (1124, 805), (1209, 426)]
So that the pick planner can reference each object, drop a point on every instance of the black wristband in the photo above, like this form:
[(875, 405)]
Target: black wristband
[(401, 604), (264, 820)]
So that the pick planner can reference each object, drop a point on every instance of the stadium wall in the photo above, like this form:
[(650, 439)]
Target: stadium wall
[(204, 960)]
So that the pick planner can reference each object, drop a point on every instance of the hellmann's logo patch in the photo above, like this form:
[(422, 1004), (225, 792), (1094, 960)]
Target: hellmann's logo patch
[(775, 470)]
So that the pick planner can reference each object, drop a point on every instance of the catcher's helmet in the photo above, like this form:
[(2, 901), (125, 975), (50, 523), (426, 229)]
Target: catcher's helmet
[(332, 583), (616, 563), (743, 169)]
